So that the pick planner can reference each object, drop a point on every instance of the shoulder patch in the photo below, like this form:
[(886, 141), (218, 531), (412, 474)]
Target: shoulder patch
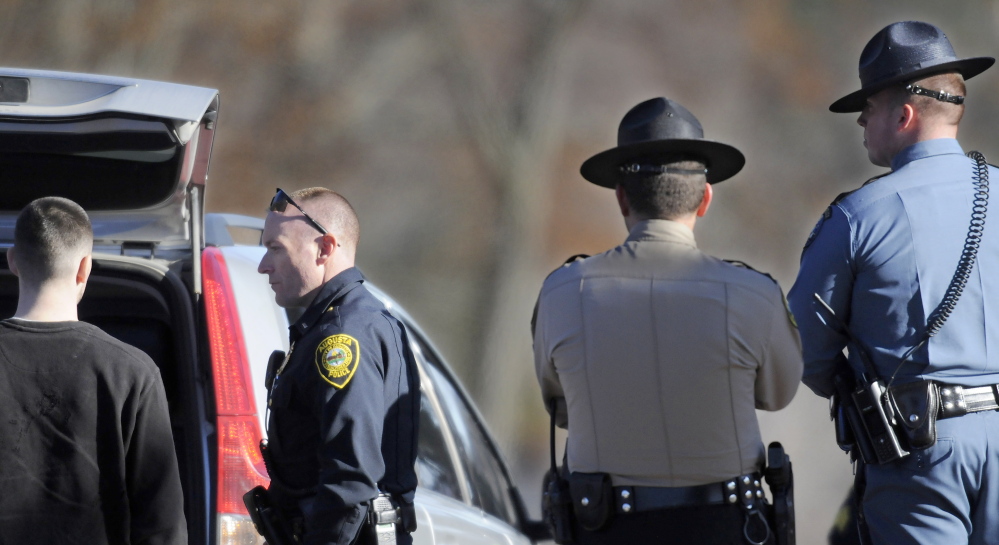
[(815, 230), (337, 357), (827, 213)]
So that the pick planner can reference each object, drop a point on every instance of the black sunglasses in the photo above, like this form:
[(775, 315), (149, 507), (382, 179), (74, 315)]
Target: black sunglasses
[(281, 201)]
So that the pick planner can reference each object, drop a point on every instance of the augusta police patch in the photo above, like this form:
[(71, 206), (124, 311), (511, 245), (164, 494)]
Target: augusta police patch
[(337, 358)]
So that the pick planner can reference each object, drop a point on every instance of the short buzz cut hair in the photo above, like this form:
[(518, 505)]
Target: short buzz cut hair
[(666, 196), (333, 211), (49, 235), (949, 82)]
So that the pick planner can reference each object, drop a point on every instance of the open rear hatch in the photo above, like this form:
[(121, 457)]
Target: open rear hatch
[(135, 155)]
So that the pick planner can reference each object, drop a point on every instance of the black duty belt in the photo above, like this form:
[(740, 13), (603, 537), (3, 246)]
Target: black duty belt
[(637, 499), (960, 400)]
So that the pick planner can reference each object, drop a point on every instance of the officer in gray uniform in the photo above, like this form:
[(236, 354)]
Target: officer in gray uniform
[(885, 258), (655, 355)]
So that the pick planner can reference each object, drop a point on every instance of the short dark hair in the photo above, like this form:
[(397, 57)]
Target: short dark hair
[(47, 231), (666, 196)]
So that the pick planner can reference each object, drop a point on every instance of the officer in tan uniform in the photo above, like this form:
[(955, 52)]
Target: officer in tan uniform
[(656, 355)]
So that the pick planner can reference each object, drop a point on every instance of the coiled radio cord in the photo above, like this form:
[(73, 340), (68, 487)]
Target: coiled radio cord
[(980, 179)]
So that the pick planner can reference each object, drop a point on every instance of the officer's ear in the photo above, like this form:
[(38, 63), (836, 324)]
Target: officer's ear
[(328, 244), (906, 117), (705, 201)]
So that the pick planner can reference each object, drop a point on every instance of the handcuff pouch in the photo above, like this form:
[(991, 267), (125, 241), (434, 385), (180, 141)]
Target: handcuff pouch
[(592, 499), (916, 406)]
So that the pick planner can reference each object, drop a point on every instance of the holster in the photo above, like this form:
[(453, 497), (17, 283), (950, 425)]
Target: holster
[(592, 499), (837, 413), (385, 515), (556, 507), (267, 518), (850, 434), (873, 419), (781, 480), (916, 406)]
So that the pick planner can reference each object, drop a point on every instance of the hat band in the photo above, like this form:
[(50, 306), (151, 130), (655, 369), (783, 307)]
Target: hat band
[(941, 95), (635, 168)]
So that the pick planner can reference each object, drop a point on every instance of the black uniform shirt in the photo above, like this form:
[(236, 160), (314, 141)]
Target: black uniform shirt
[(344, 410), (86, 450)]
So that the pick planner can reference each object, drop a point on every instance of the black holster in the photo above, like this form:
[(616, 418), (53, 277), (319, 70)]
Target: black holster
[(385, 517), (267, 518), (556, 507), (850, 433), (873, 421), (556, 502), (781, 480)]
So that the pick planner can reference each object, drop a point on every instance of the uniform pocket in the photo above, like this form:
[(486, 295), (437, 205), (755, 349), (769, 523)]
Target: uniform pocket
[(922, 460)]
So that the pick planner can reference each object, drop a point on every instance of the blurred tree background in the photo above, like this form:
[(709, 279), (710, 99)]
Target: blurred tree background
[(457, 127)]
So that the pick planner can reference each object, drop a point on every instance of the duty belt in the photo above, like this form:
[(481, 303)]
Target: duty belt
[(958, 400), (637, 499)]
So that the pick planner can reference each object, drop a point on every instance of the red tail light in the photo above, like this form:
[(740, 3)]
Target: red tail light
[(240, 465)]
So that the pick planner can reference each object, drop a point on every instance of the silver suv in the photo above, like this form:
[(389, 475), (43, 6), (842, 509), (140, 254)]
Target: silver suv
[(168, 279)]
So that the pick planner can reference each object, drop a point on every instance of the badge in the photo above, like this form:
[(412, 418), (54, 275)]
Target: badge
[(337, 358)]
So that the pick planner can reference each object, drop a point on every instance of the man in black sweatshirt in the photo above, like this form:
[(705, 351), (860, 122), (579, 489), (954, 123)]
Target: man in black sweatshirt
[(86, 451)]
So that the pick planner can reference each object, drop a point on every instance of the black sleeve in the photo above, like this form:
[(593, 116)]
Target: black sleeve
[(351, 420), (402, 417), (155, 498)]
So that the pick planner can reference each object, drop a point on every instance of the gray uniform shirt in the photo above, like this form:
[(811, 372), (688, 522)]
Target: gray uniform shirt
[(658, 356)]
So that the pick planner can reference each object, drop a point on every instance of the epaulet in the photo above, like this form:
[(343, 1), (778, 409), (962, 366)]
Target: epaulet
[(744, 265), (534, 315), (787, 308), (839, 198), (572, 259), (874, 179)]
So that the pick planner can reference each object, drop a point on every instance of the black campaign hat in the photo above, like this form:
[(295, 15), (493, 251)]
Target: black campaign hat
[(661, 128), (905, 52)]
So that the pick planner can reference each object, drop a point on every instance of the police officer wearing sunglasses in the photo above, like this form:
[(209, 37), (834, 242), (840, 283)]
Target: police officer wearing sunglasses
[(344, 402), (910, 268)]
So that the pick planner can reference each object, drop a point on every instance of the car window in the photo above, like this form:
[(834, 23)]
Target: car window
[(487, 479), (434, 466)]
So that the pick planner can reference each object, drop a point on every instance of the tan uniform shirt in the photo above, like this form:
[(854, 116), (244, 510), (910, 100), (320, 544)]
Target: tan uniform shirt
[(659, 355)]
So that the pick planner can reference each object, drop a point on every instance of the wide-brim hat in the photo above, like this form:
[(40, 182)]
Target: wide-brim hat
[(661, 129), (905, 52)]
